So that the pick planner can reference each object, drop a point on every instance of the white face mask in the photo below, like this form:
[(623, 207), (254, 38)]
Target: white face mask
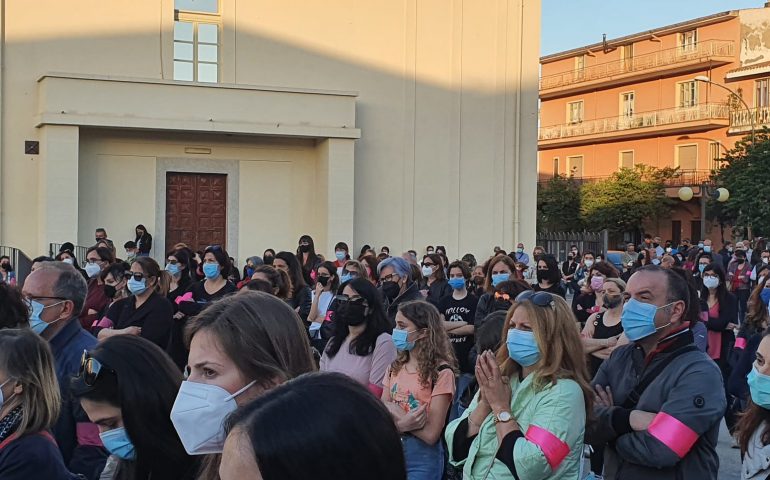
[(93, 269), (711, 282), (68, 261), (765, 260), (427, 271), (589, 263), (199, 414), (2, 400)]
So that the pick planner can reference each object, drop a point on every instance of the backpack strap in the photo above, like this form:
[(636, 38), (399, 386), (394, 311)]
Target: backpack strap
[(651, 375)]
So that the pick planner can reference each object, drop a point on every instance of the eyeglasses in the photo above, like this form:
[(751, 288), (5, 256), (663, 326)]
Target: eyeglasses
[(389, 278), (502, 296), (91, 368), (138, 276), (427, 264), (172, 261), (541, 299), (342, 298), (352, 273)]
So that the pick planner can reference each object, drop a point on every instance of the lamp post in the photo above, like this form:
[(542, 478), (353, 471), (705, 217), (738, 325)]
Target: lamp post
[(705, 190), (705, 79)]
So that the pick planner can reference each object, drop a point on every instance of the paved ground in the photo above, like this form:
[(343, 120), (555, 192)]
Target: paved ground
[(729, 458)]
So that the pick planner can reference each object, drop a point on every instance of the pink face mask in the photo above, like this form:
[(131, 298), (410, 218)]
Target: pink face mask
[(597, 283)]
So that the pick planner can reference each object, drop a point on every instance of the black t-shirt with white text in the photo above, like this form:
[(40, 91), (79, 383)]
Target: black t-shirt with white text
[(460, 311)]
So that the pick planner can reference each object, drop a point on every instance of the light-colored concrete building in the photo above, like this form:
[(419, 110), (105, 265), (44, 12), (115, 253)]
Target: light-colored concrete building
[(637, 100), (251, 122)]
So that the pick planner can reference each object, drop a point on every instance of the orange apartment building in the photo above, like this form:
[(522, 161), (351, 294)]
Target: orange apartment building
[(634, 100)]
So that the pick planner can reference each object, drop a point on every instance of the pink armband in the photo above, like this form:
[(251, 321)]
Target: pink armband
[(552, 447), (103, 323), (740, 342), (672, 433), (187, 297), (375, 389), (328, 317)]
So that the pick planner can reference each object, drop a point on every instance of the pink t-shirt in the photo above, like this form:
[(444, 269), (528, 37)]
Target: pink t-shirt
[(365, 370), (407, 392)]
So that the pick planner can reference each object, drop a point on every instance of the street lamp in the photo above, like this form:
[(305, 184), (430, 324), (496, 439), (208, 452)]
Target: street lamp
[(705, 190), (705, 79)]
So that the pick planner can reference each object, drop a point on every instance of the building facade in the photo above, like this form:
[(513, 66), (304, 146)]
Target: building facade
[(250, 123), (635, 100)]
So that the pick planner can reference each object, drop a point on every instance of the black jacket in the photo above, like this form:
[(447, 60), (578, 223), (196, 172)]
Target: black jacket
[(411, 293), (154, 317), (438, 290)]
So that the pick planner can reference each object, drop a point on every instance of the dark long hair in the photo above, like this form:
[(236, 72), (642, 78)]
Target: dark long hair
[(721, 289), (376, 322), (355, 439), (554, 274), (312, 257), (753, 417), (186, 258), (144, 386), (334, 279), (438, 262), (295, 271), (13, 310)]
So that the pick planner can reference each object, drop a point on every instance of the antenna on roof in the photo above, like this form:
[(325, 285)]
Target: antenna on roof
[(604, 42)]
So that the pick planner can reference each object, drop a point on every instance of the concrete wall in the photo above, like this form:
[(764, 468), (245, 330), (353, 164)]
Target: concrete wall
[(447, 98)]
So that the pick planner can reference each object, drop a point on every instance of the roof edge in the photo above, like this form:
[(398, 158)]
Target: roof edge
[(614, 42)]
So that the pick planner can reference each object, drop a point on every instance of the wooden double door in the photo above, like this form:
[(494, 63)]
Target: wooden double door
[(196, 209)]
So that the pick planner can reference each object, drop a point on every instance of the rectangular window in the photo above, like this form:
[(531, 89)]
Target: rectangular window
[(627, 56), (580, 66), (687, 94), (555, 166), (627, 159), (575, 112), (627, 104), (197, 36), (761, 97), (715, 153), (575, 166), (687, 157), (688, 41)]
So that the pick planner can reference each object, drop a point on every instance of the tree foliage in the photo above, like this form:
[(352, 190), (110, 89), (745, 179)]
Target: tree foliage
[(558, 205), (625, 200), (745, 172)]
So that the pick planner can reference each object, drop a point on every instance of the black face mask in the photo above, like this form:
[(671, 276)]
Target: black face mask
[(501, 305), (351, 314), (7, 267), (542, 275), (612, 301), (304, 248), (323, 280), (741, 260), (268, 259), (110, 291), (390, 290), (478, 280)]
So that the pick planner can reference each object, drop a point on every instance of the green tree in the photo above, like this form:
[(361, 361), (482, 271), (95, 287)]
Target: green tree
[(558, 205), (745, 172), (625, 200)]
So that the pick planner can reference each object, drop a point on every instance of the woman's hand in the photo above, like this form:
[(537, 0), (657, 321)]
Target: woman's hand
[(494, 388), (603, 396), (414, 420), (318, 289)]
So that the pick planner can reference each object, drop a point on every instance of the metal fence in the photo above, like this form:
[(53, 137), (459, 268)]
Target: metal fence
[(21, 263), (559, 243), (80, 252)]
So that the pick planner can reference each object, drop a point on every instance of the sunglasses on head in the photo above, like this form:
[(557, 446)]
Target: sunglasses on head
[(502, 296), (91, 368), (214, 248), (541, 299)]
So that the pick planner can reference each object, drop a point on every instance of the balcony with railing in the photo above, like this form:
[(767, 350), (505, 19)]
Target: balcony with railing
[(683, 178), (704, 54), (742, 120), (658, 122)]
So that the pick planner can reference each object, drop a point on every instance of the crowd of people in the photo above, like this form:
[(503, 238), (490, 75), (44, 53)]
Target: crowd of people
[(384, 366)]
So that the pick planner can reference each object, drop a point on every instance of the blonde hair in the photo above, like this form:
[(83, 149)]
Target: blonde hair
[(359, 268), (618, 282), (558, 339), (27, 360), (434, 349)]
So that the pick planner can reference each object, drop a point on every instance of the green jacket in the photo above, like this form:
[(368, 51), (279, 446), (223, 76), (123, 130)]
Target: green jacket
[(558, 409)]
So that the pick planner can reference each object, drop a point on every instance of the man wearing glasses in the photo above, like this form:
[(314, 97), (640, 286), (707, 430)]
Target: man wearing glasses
[(54, 294)]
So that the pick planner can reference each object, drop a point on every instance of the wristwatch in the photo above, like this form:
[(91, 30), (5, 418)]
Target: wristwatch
[(502, 417)]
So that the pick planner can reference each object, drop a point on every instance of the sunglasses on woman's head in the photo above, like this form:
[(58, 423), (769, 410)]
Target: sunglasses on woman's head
[(541, 299), (91, 368)]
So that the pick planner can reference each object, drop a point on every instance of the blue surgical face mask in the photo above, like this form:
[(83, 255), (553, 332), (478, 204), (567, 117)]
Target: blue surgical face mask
[(700, 245), (35, 322), (211, 270), (701, 268), (173, 269), (116, 441), (707, 248), (522, 347), (500, 277), (346, 277), (638, 319), (2, 399), (137, 287), (341, 255), (457, 283), (400, 340), (759, 387)]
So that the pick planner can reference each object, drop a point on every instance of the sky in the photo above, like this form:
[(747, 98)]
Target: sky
[(568, 24)]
